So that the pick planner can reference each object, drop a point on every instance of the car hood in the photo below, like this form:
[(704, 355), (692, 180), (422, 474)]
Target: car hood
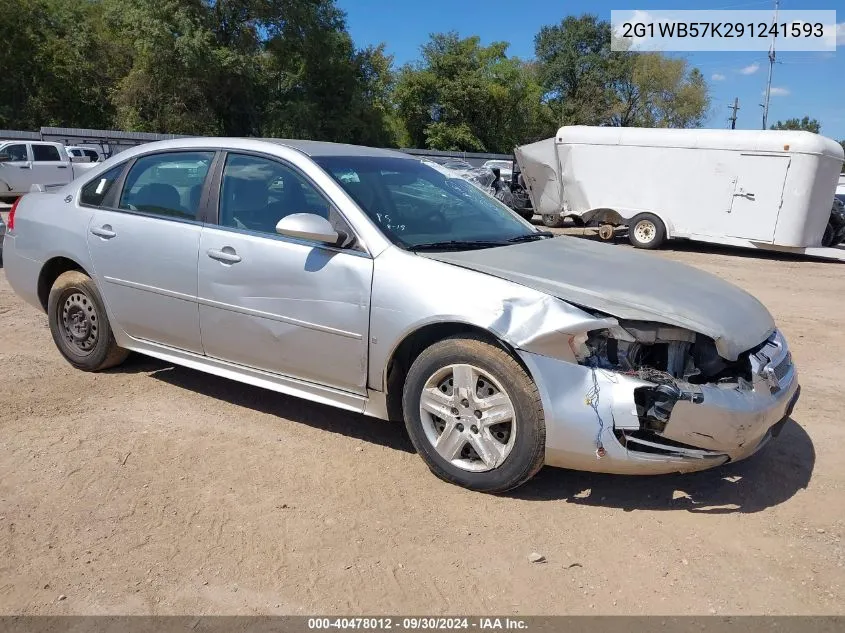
[(628, 285)]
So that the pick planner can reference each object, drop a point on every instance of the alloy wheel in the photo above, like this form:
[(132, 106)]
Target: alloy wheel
[(468, 417)]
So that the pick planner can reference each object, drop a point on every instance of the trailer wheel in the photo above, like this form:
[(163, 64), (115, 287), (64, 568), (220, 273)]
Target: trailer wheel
[(552, 220), (646, 230), (607, 232)]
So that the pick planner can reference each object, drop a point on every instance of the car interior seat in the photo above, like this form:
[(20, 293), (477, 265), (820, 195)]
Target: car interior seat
[(158, 196)]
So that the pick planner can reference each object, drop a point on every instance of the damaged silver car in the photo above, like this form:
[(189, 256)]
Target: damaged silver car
[(369, 281)]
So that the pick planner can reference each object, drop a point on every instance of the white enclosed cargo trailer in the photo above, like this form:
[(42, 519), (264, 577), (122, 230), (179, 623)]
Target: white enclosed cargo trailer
[(761, 189)]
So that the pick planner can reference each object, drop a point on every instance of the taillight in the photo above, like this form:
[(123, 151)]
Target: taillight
[(11, 223)]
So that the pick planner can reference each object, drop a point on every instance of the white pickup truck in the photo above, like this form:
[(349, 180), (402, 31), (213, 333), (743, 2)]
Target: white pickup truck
[(27, 163)]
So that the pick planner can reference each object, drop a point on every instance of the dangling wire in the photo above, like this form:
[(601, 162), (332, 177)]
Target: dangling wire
[(592, 400)]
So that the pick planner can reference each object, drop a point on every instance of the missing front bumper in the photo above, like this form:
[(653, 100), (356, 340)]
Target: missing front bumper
[(725, 425)]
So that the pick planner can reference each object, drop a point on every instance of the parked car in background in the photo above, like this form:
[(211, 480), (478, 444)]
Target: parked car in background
[(24, 164), (367, 280), (835, 232), (82, 152), (505, 168), (456, 164)]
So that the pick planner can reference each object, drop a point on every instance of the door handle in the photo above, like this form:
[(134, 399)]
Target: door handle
[(104, 231), (25, 166), (62, 166), (227, 255)]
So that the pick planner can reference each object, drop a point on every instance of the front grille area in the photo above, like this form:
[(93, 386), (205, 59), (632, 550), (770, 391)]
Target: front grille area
[(782, 369), (772, 362)]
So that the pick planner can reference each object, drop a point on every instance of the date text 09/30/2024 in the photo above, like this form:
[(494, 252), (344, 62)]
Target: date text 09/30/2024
[(418, 623)]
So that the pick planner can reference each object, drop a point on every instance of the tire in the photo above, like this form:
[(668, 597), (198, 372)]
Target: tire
[(79, 323), (552, 220), (515, 448), (646, 230), (827, 238), (527, 215)]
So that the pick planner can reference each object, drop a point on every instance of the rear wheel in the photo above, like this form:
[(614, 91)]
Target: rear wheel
[(646, 230), (79, 324), (474, 415)]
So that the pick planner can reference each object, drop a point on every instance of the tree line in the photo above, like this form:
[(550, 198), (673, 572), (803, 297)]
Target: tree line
[(289, 68)]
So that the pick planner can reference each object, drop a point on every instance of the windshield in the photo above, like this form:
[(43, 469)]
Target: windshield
[(415, 204)]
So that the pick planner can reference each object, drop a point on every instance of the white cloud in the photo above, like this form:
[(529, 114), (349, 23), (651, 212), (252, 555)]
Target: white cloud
[(834, 36), (778, 91), (637, 16), (717, 77), (750, 69)]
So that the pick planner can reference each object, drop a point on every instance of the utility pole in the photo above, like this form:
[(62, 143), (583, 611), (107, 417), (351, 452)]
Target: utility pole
[(734, 108), (771, 66)]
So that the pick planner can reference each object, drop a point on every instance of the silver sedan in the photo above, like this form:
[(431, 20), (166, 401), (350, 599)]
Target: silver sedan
[(368, 280)]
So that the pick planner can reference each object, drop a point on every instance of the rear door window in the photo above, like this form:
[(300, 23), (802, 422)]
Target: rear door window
[(45, 153), (95, 192), (168, 184)]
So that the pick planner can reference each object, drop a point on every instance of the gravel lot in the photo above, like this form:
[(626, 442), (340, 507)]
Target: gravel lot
[(153, 489)]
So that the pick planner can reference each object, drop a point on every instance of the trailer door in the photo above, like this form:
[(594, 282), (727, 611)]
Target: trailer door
[(758, 196)]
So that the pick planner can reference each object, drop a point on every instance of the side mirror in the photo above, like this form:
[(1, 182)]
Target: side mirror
[(308, 226)]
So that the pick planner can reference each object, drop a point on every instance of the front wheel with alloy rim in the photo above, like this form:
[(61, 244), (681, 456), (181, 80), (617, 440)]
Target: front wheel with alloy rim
[(474, 415), (646, 230), (79, 324)]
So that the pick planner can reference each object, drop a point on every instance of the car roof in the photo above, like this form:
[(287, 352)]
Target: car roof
[(317, 149), (313, 149)]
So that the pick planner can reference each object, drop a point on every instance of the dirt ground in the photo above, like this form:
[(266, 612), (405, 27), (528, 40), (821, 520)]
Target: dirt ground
[(153, 489)]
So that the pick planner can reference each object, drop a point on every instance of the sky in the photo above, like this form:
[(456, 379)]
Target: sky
[(804, 83)]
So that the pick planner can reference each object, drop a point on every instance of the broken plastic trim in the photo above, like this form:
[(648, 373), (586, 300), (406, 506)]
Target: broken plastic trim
[(643, 442), (655, 404)]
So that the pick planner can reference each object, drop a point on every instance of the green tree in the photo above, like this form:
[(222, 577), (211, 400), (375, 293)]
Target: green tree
[(59, 64), (465, 96), (284, 68), (168, 86), (585, 83), (320, 86), (578, 71), (659, 91), (806, 124)]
